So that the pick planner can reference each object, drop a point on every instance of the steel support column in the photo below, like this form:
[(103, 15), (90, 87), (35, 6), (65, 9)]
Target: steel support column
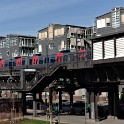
[(88, 95), (71, 101), (113, 102), (50, 105), (24, 111), (34, 105), (60, 100)]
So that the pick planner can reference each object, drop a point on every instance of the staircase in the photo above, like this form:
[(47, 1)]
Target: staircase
[(43, 78)]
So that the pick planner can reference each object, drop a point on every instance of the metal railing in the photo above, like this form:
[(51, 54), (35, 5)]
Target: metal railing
[(42, 74)]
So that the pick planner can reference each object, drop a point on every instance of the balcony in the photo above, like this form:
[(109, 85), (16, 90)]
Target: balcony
[(26, 45), (64, 48), (26, 54)]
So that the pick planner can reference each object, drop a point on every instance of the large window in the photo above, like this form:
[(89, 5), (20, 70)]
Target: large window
[(7, 43), (108, 22), (42, 35), (50, 32), (122, 18), (59, 31), (116, 17), (101, 23)]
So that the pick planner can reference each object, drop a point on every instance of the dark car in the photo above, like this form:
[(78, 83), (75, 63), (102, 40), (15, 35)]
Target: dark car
[(79, 108)]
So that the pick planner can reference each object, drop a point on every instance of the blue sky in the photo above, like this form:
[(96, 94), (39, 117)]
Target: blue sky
[(26, 17)]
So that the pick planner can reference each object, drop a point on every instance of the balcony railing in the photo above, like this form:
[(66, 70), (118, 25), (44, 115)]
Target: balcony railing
[(26, 54), (26, 45), (63, 48)]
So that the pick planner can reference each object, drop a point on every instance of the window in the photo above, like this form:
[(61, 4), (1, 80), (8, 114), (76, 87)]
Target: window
[(101, 23), (7, 44), (45, 34), (0, 55), (11, 42), (108, 21), (16, 52), (39, 35), (51, 45), (122, 18), (72, 47), (14, 42), (116, 17), (59, 32), (62, 44), (55, 32), (8, 53), (62, 31), (41, 61), (50, 32), (3, 44), (40, 48)]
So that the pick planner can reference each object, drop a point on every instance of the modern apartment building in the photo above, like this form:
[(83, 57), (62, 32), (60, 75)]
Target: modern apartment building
[(61, 38), (16, 46), (111, 22), (56, 38)]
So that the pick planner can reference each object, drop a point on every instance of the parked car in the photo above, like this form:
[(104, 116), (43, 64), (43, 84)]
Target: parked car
[(66, 107), (79, 108)]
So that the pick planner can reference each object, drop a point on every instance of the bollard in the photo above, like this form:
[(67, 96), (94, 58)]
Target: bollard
[(56, 122)]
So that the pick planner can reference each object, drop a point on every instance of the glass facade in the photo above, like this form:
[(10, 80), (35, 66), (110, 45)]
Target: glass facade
[(116, 17)]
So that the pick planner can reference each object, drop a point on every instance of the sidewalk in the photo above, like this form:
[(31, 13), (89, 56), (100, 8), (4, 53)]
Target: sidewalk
[(73, 119)]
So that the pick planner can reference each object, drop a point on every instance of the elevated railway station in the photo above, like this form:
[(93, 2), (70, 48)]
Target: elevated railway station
[(97, 69), (87, 73)]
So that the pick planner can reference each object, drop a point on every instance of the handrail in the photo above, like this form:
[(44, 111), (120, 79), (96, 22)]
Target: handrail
[(51, 69)]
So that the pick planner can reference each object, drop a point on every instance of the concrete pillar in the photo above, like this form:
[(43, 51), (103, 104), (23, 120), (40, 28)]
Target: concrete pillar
[(96, 98), (34, 105), (24, 111), (94, 107)]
